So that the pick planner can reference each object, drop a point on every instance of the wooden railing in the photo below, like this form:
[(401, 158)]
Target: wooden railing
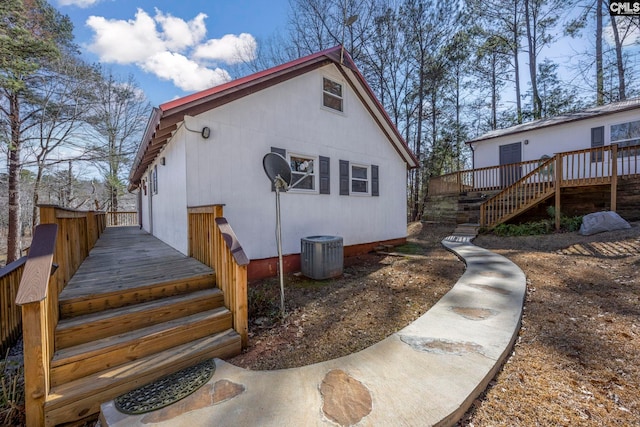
[(122, 219), (213, 242), (63, 240), (534, 187), (78, 231), (482, 179), (591, 166), (10, 318), (201, 226), (37, 296)]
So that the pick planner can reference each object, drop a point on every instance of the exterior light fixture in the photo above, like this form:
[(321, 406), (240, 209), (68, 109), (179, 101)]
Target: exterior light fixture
[(206, 132)]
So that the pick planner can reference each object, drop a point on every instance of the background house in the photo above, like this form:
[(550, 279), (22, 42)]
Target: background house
[(616, 123), (207, 148)]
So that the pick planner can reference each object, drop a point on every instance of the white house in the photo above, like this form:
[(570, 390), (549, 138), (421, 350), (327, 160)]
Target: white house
[(616, 123), (207, 148)]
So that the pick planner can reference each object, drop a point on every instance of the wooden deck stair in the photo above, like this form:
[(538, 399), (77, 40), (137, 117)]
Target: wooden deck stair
[(124, 326)]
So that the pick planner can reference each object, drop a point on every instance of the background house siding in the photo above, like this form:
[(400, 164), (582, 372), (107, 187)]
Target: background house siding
[(550, 140)]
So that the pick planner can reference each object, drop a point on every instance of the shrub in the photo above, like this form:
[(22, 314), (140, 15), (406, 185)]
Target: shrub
[(545, 226)]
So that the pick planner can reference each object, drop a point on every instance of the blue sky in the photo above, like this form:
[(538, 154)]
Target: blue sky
[(177, 47), (173, 48)]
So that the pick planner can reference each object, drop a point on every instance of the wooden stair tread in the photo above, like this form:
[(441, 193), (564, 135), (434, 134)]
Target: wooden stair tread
[(120, 311), (93, 302), (83, 351), (82, 397), (85, 359), (77, 330), (85, 291)]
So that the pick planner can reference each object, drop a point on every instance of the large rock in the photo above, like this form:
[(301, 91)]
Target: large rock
[(602, 221)]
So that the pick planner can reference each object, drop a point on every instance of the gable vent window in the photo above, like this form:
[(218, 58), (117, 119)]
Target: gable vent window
[(332, 94)]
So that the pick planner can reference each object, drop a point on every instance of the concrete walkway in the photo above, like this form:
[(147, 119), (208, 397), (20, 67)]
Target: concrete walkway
[(428, 373)]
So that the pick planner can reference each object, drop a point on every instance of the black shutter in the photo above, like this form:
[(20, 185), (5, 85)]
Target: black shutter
[(597, 140), (283, 153), (375, 182), (344, 178), (324, 175)]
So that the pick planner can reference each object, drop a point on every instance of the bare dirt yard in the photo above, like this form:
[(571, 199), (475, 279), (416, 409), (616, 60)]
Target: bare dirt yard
[(577, 358), (376, 296)]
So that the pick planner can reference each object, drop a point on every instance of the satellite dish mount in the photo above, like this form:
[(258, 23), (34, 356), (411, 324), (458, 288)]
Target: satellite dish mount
[(278, 171)]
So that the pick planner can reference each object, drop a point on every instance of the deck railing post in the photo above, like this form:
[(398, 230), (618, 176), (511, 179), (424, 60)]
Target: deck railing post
[(558, 187), (614, 176), (38, 321)]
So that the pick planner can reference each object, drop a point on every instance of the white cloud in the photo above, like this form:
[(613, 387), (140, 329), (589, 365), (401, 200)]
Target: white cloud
[(170, 47), (80, 3), (125, 42), (180, 34), (186, 74), (231, 49)]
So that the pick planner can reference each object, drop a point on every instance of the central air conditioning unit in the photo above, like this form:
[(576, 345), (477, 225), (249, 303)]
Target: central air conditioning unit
[(321, 257)]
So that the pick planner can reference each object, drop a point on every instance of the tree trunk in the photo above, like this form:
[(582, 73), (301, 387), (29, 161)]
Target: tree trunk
[(494, 92), (35, 218), (599, 70), (616, 36), (531, 43), (14, 226), (516, 62), (415, 211)]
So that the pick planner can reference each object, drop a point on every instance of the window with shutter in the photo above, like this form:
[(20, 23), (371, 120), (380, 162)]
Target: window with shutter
[(344, 178), (325, 175), (597, 140)]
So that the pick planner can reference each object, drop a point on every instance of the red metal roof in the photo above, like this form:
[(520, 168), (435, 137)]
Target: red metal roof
[(244, 80), (164, 118)]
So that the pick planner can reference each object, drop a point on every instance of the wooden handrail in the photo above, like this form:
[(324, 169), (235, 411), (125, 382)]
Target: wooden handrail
[(231, 276), (534, 187), (213, 242), (34, 285), (38, 321), (10, 318)]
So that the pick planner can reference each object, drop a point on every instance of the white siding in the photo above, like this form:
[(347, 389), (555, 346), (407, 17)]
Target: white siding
[(227, 167), (550, 140), (169, 210)]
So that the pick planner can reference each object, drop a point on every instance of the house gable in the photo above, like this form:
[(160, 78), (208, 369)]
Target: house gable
[(165, 120)]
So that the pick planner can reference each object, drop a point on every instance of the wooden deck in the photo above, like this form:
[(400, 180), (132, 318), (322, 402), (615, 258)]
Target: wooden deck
[(123, 309), (127, 258)]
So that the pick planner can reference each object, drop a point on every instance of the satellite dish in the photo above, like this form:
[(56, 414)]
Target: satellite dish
[(278, 170), (279, 173)]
